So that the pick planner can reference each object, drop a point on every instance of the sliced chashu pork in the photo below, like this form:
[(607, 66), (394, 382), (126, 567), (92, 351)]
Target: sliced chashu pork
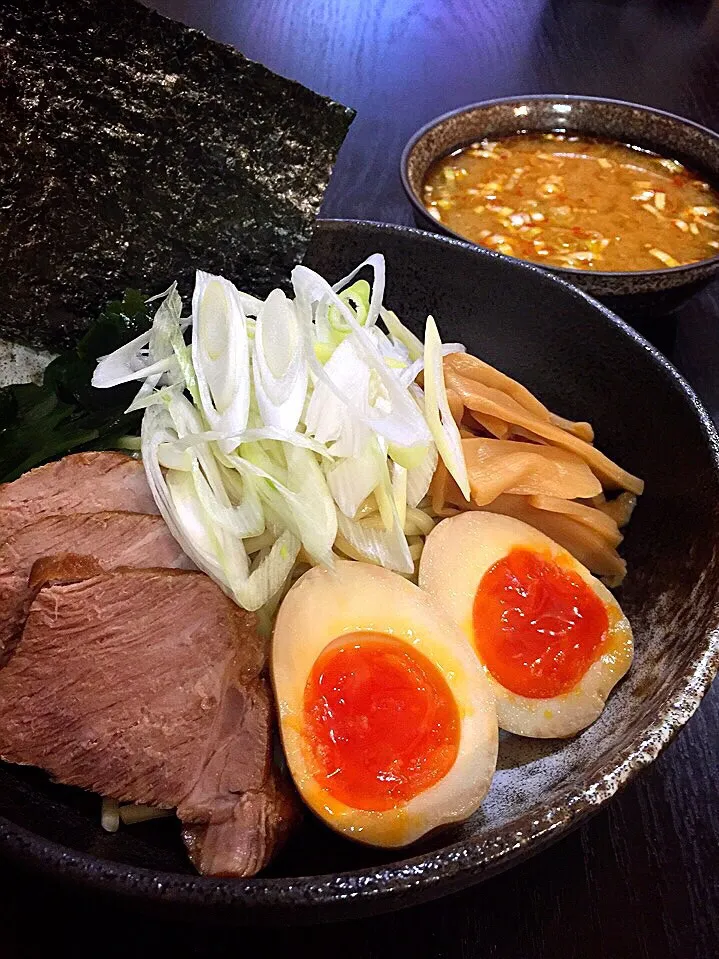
[(79, 483), (146, 686), (113, 538)]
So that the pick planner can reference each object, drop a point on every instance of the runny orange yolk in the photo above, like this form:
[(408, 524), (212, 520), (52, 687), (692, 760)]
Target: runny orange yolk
[(380, 720), (537, 627)]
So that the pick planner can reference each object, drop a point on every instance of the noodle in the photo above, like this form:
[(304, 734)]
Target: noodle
[(129, 814), (135, 813), (110, 815)]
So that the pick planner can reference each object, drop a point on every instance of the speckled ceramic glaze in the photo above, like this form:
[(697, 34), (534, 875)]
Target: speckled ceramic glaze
[(585, 363), (643, 292)]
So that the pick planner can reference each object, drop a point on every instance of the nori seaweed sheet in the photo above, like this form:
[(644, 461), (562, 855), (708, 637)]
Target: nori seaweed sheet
[(134, 150)]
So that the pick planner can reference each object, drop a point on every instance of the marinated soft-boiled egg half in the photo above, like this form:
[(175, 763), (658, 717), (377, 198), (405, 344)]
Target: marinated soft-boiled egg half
[(552, 639), (387, 719)]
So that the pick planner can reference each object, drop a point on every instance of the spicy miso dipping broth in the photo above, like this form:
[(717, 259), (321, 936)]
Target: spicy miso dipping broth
[(575, 202)]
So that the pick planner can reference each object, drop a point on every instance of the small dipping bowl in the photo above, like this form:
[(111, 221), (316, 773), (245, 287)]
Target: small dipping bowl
[(636, 293)]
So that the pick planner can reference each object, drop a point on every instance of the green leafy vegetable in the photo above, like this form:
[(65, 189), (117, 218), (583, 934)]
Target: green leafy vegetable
[(66, 413)]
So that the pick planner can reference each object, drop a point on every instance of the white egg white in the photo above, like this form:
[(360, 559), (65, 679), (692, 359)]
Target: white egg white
[(457, 554), (353, 597)]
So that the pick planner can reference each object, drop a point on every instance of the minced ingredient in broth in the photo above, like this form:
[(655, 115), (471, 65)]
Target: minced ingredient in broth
[(575, 202)]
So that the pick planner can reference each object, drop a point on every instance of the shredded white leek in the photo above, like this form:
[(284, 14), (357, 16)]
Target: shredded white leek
[(439, 416), (278, 364), (220, 353), (287, 431)]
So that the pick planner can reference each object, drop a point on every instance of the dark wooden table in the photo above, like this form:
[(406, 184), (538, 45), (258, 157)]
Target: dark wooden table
[(642, 878)]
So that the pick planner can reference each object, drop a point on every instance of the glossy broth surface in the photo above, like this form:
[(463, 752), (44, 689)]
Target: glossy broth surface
[(575, 202)]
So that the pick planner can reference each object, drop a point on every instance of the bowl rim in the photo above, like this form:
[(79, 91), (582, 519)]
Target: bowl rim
[(424, 876), (687, 268)]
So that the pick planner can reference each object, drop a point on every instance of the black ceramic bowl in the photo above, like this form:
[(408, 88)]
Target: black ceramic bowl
[(585, 363), (641, 293)]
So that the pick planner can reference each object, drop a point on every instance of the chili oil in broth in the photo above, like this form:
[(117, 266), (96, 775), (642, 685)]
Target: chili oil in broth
[(575, 202)]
